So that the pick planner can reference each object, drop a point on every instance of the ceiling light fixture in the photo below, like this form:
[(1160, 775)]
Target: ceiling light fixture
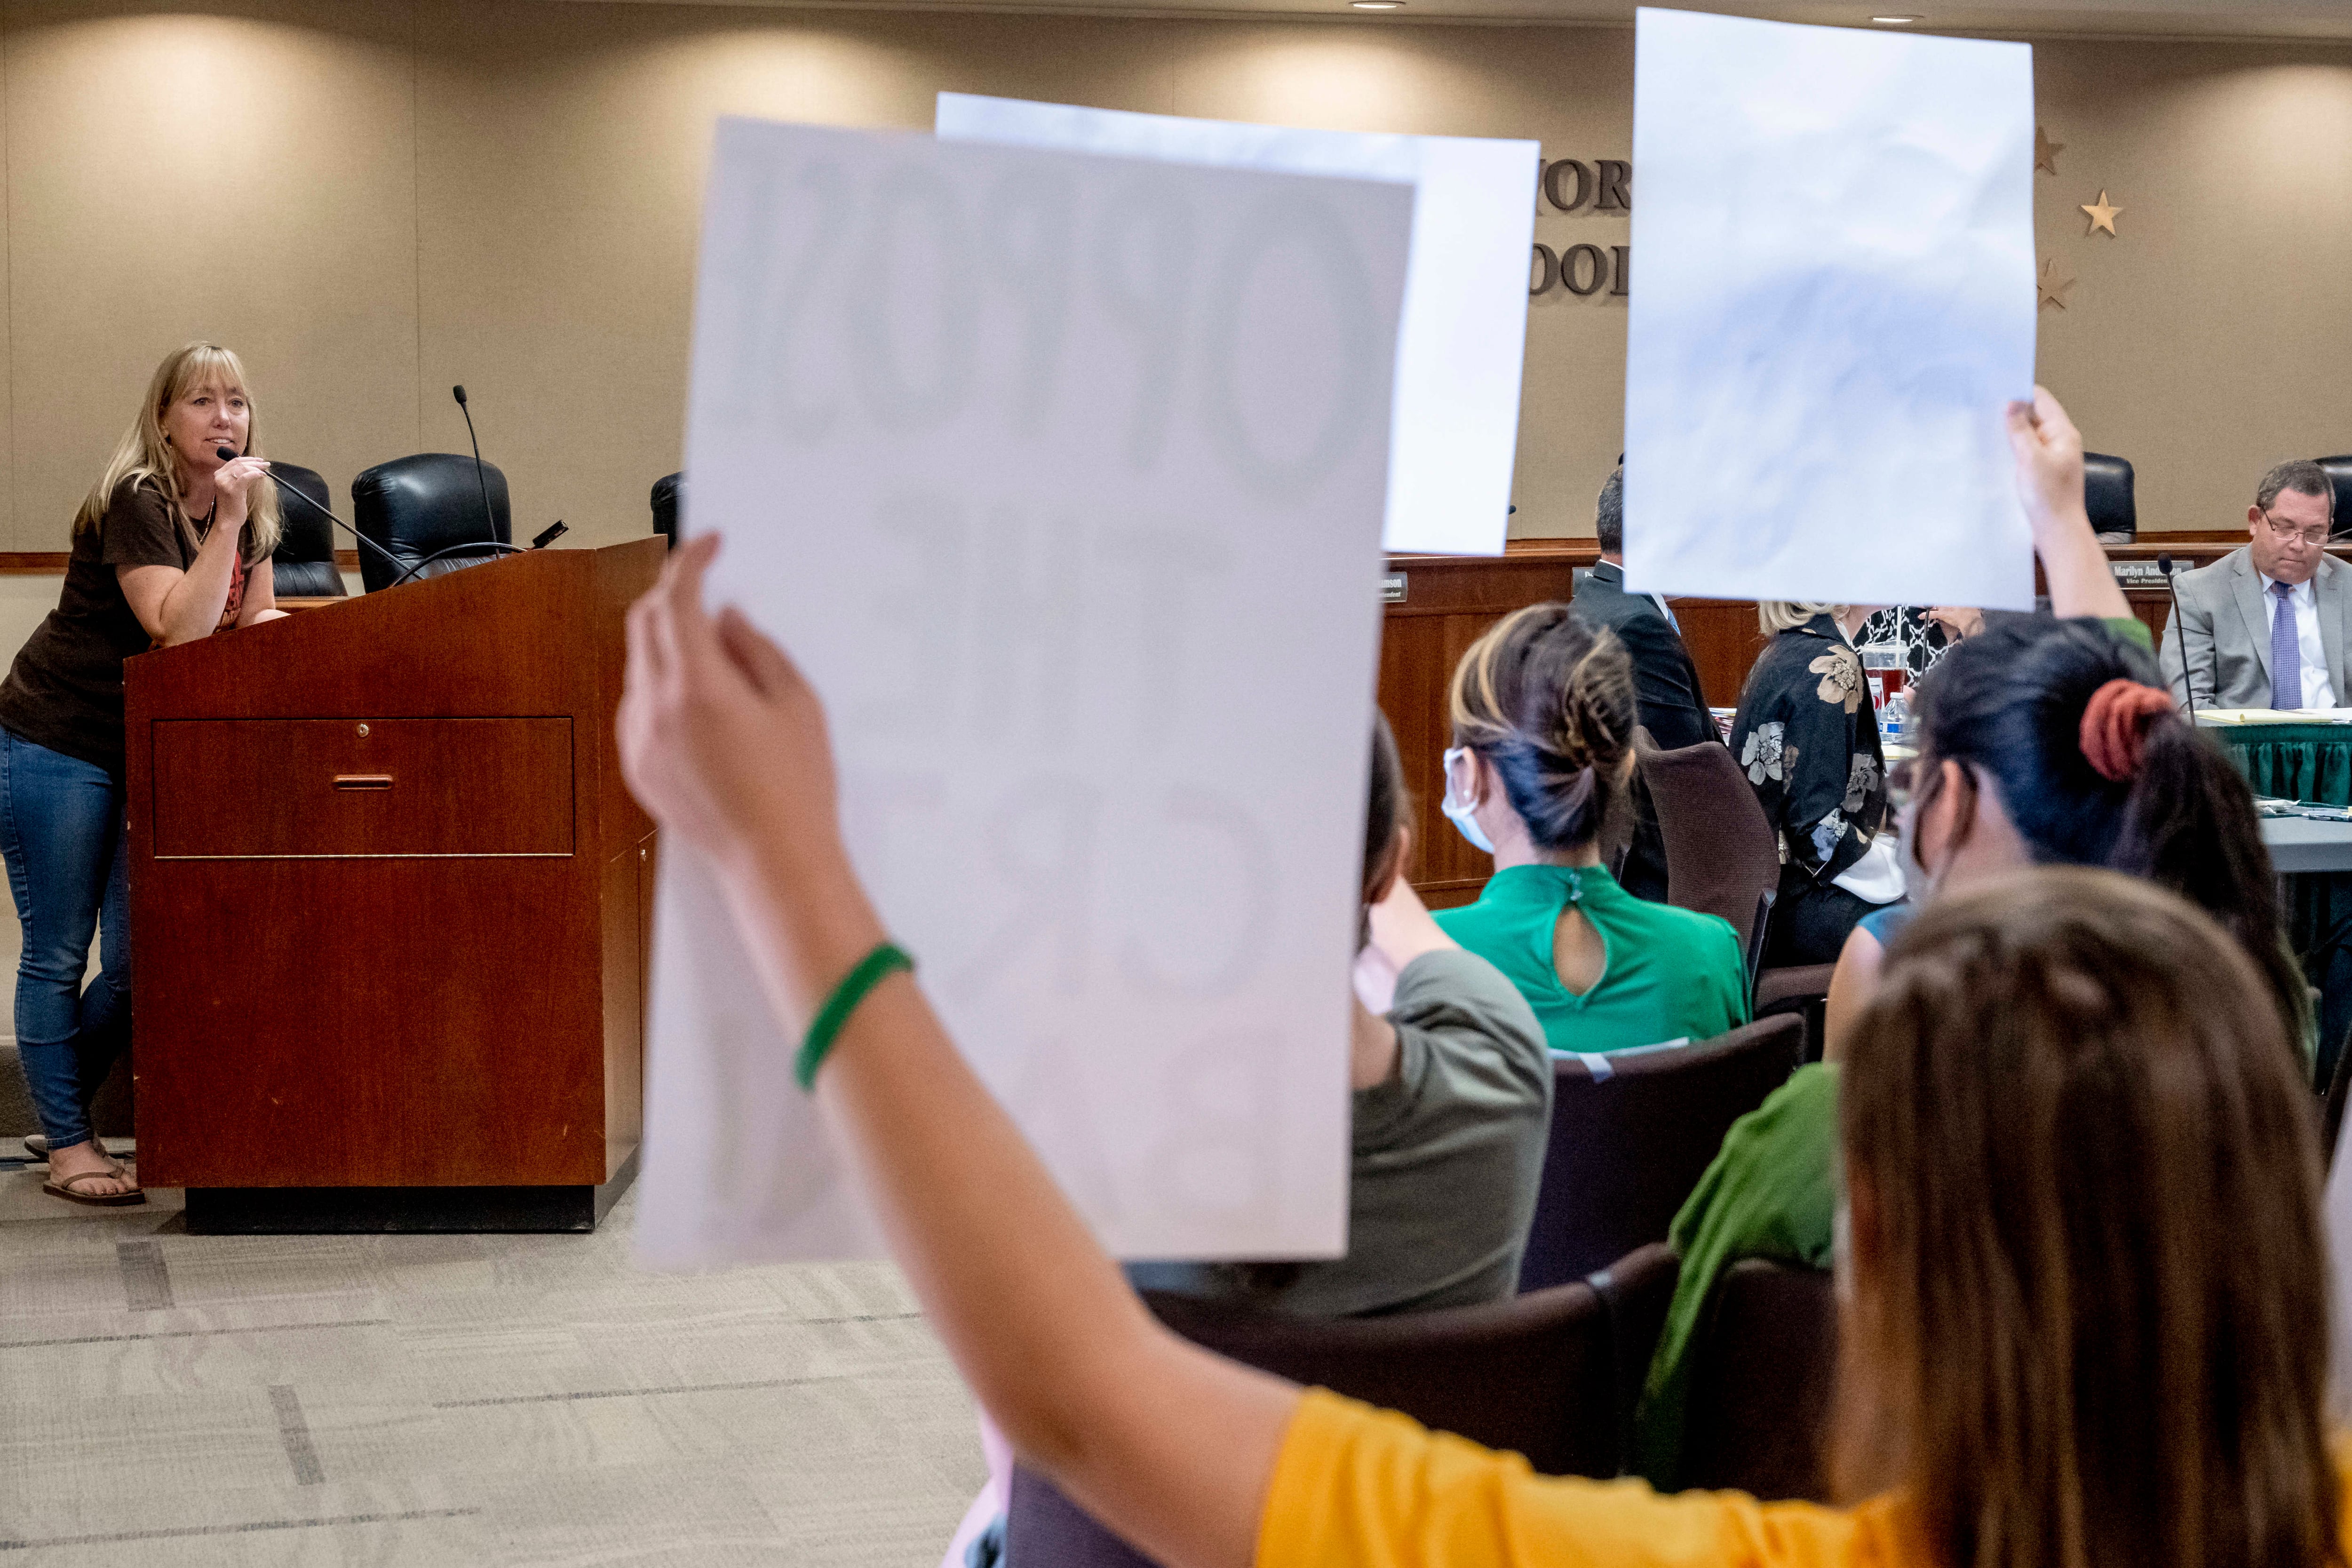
[(1377, 4), (1895, 21)]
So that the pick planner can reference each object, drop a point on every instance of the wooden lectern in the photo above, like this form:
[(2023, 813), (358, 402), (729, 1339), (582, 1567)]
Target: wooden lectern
[(390, 904)]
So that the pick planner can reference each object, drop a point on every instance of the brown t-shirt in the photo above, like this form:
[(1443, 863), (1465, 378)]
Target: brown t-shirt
[(65, 691)]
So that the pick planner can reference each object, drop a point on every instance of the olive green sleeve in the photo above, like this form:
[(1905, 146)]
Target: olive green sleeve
[(1771, 1192)]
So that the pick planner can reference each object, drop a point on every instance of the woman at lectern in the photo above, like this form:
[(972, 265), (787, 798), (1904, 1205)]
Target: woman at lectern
[(172, 544)]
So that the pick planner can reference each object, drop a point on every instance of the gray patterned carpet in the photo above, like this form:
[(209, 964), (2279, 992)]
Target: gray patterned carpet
[(387, 1401)]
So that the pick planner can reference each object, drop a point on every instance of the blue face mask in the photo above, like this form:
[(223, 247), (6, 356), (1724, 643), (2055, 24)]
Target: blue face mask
[(1460, 814)]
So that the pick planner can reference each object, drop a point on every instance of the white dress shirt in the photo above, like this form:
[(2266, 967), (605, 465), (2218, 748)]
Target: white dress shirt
[(2317, 690)]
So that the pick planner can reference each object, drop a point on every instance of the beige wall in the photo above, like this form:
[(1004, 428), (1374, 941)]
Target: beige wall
[(2212, 337), (372, 201)]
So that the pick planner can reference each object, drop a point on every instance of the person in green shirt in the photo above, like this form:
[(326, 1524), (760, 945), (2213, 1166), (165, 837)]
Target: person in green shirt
[(2040, 741), (1543, 714)]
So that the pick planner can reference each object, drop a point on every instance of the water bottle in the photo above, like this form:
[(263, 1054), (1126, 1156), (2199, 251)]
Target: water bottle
[(1893, 716)]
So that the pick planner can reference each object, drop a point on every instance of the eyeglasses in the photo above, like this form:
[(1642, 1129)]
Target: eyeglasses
[(2286, 535)]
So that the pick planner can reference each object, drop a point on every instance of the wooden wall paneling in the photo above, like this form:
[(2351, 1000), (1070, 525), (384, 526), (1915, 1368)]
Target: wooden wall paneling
[(1448, 602), (1412, 695), (1724, 643)]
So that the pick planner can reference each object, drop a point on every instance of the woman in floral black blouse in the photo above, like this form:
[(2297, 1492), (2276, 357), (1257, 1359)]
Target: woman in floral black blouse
[(1808, 738)]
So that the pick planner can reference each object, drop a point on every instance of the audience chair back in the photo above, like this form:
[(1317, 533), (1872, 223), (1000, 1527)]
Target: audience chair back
[(2107, 497), (666, 493), (2339, 477), (1721, 855), (1722, 858), (1631, 1133), (1762, 1374), (417, 507), (1546, 1375), (303, 565)]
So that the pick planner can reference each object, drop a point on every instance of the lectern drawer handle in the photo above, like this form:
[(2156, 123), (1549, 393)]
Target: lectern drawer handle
[(362, 781)]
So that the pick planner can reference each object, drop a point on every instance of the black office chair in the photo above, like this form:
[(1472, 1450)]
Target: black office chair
[(422, 510), (667, 493), (2339, 475), (303, 565), (2107, 496)]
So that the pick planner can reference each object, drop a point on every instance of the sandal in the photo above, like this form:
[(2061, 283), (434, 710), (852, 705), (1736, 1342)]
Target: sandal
[(70, 1190)]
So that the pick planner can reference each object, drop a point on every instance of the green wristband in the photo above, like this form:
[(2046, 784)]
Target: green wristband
[(886, 960)]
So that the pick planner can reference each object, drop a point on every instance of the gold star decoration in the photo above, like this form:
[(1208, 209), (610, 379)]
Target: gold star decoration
[(2045, 150), (2101, 214), (2054, 289)]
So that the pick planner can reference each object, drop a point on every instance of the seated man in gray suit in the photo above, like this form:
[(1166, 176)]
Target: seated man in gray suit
[(1668, 699), (2267, 626)]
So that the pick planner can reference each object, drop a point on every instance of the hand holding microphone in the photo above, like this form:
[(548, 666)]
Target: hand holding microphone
[(237, 477)]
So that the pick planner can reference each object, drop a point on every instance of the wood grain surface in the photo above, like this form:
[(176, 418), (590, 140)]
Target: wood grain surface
[(436, 983)]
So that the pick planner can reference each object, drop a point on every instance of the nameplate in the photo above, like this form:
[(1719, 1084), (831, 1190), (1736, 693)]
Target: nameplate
[(1392, 588), (2136, 573)]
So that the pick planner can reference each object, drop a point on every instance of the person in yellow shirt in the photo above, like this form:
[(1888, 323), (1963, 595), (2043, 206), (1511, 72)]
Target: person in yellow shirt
[(2086, 1314)]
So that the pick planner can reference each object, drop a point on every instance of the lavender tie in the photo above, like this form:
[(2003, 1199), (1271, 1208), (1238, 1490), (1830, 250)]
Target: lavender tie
[(2286, 653)]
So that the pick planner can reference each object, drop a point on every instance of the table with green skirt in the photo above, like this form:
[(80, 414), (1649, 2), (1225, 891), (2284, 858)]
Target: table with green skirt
[(2309, 762)]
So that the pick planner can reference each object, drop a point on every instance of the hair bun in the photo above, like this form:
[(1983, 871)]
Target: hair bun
[(2113, 731)]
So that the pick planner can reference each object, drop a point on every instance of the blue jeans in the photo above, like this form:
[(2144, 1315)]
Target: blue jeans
[(61, 832)]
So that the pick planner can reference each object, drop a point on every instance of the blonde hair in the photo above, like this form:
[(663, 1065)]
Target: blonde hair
[(1777, 616), (144, 457), (1548, 700)]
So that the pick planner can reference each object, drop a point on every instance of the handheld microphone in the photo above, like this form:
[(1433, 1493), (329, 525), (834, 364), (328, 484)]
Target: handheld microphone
[(229, 455), (2164, 565)]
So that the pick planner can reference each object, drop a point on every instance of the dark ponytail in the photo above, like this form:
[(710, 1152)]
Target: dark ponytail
[(1549, 701), (2160, 801)]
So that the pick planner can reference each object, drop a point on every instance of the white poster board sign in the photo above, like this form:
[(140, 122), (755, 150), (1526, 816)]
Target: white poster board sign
[(1454, 422), (1060, 476), (1835, 307)]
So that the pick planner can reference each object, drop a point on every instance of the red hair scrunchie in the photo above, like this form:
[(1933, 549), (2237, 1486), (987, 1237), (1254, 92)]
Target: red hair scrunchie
[(2114, 726)]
